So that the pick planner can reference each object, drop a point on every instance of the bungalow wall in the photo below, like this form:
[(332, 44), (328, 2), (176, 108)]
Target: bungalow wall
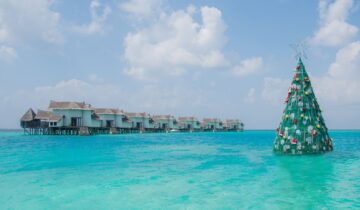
[(117, 120), (84, 116), (213, 125), (190, 124), (54, 124), (126, 124), (141, 122), (233, 126), (165, 123), (105, 118)]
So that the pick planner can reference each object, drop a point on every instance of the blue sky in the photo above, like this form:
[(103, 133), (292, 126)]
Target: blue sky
[(208, 58)]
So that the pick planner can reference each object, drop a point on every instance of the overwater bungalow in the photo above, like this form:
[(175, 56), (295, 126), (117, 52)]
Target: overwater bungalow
[(212, 124), (115, 120), (79, 118), (233, 125), (28, 120), (75, 114), (189, 124), (140, 121), (165, 122)]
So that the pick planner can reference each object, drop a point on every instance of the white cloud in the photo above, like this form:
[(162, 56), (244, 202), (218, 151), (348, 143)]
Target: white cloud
[(176, 42), (95, 78), (341, 84), (24, 21), (29, 19), (334, 30), (274, 90), (248, 66), (79, 90), (250, 98), (97, 20), (141, 8), (7, 54)]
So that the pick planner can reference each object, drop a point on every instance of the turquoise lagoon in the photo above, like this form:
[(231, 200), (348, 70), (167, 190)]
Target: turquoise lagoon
[(175, 171)]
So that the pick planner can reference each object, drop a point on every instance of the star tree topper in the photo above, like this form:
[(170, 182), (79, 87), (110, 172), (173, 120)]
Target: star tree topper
[(300, 49)]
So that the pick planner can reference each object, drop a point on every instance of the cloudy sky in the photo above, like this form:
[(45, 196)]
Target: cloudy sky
[(226, 59)]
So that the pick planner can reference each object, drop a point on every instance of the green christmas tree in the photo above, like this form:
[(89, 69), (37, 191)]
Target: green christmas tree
[(302, 129)]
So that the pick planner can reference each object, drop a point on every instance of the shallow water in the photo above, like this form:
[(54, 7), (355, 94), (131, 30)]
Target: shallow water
[(175, 171)]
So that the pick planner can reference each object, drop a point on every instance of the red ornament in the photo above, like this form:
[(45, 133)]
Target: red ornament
[(295, 121), (293, 141), (277, 130), (298, 67), (314, 133), (281, 133)]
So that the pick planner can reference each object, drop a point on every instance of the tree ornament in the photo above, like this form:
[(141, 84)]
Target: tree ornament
[(308, 140), (314, 133), (310, 128)]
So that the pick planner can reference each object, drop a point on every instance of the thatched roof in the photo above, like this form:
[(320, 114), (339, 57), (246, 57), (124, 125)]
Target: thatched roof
[(137, 114), (163, 117), (233, 121), (108, 111), (188, 119), (211, 120), (28, 116), (45, 115), (68, 105), (103, 111)]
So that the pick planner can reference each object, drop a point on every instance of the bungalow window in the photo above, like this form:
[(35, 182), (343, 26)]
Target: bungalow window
[(76, 121)]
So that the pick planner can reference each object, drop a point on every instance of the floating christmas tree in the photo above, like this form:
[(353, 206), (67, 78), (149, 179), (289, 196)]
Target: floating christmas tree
[(302, 129)]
